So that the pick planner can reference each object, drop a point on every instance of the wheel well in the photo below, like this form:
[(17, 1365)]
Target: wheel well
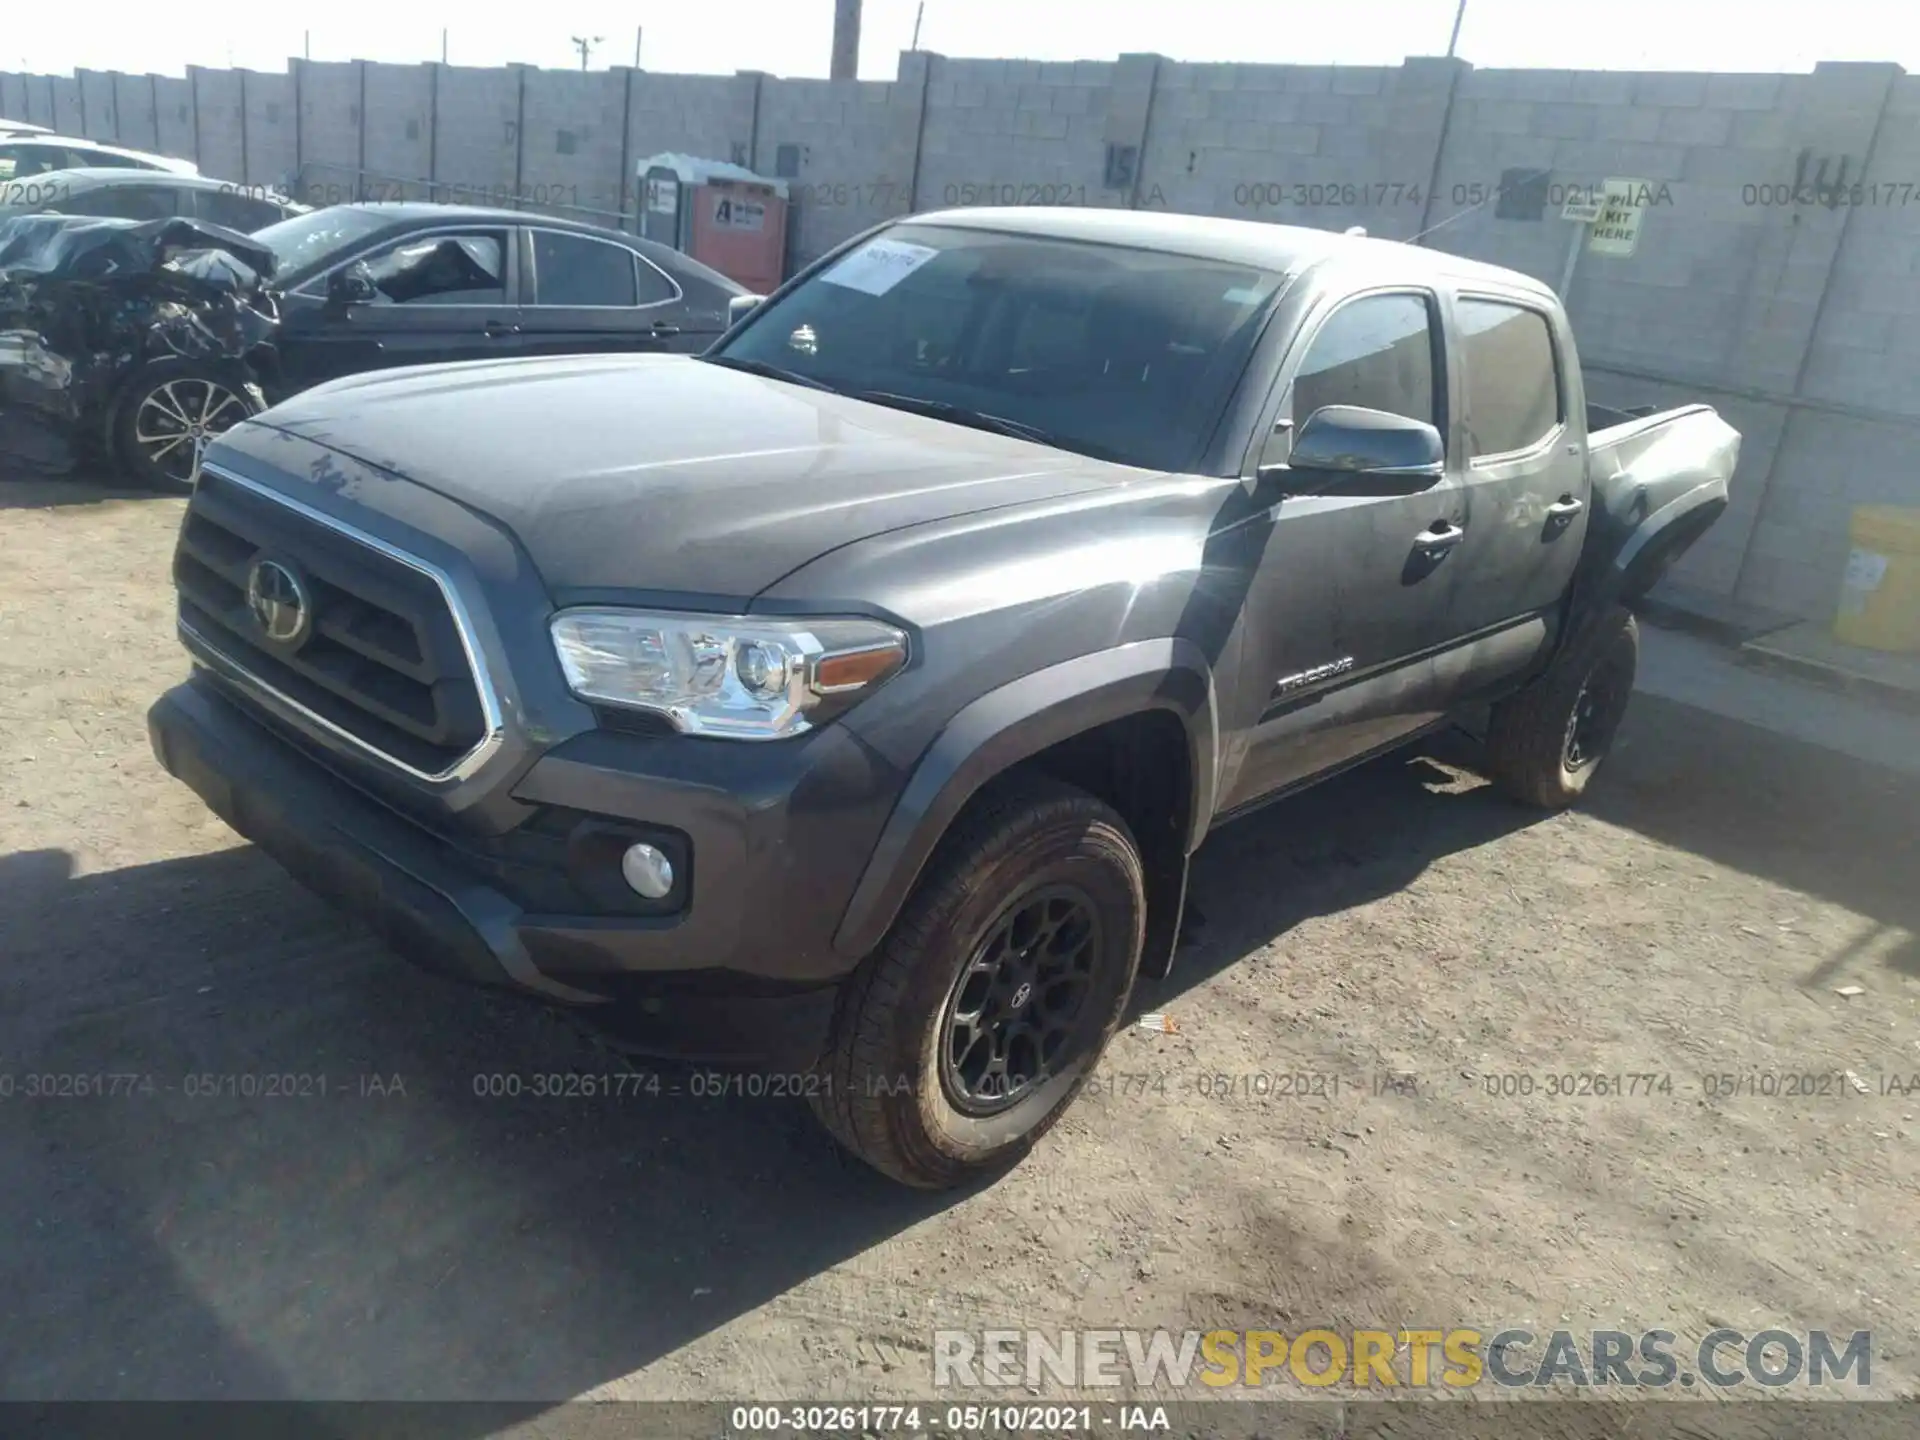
[(1140, 764)]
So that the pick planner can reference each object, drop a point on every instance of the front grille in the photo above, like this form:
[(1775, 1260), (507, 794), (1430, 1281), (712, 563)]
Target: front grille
[(382, 659)]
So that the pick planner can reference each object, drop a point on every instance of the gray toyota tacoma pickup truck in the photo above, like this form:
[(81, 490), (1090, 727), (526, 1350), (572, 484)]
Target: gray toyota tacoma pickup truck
[(851, 698)]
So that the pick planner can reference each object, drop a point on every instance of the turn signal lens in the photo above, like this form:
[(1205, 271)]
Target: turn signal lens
[(845, 670)]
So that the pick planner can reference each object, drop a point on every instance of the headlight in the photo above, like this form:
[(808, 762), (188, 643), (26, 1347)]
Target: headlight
[(733, 675)]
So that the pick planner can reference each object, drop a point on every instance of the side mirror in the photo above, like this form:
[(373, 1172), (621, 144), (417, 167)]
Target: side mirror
[(1349, 447), (350, 285), (739, 305)]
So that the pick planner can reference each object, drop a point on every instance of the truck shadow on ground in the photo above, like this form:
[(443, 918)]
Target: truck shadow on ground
[(1815, 821), (282, 1172)]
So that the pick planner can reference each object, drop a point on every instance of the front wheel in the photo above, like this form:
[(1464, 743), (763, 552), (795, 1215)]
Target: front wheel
[(965, 1036), (1545, 743), (170, 413)]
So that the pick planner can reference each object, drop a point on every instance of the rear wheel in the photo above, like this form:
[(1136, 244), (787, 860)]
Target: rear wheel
[(1545, 743), (170, 413), (966, 1035)]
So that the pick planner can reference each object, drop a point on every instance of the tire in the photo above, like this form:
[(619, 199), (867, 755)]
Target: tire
[(905, 1088), (168, 413), (1545, 743)]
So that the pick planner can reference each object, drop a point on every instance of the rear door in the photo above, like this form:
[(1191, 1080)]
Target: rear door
[(1525, 478), (444, 294), (586, 295), (1348, 601)]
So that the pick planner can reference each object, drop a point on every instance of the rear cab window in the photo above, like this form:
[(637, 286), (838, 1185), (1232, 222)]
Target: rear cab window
[(1514, 390)]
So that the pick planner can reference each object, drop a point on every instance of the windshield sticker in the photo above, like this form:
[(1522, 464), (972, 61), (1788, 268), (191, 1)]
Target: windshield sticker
[(1245, 295), (877, 267)]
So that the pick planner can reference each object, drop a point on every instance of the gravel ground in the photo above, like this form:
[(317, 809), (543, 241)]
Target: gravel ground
[(403, 1237)]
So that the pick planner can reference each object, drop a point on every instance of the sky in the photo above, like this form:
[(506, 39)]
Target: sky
[(791, 37)]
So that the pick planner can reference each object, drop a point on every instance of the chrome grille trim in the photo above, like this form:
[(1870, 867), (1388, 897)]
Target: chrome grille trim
[(204, 651)]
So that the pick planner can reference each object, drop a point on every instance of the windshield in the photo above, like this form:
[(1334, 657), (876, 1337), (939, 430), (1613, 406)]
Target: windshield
[(305, 242), (1122, 353)]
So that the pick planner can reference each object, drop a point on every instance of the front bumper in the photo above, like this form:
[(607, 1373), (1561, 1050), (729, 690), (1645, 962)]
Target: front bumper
[(682, 985)]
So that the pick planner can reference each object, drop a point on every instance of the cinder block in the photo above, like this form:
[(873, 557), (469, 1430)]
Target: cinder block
[(1563, 122), (1762, 130), (1743, 92), (1675, 89), (1626, 123), (1358, 80), (1696, 126)]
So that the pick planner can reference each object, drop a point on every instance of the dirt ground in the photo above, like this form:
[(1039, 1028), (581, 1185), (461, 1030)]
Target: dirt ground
[(413, 1239)]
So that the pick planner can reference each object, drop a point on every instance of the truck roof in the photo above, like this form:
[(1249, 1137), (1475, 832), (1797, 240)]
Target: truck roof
[(1289, 249)]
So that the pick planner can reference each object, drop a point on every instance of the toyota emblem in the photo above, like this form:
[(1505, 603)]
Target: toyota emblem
[(279, 601)]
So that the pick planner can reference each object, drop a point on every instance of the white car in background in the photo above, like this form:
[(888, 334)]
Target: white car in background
[(24, 156), (21, 127)]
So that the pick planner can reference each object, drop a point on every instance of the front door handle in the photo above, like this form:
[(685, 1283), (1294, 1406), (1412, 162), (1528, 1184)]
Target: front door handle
[(665, 327), (1439, 536), (1565, 507), (497, 328)]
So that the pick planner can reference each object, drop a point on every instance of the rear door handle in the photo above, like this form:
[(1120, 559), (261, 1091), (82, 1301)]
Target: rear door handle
[(1441, 535), (497, 328), (1565, 506)]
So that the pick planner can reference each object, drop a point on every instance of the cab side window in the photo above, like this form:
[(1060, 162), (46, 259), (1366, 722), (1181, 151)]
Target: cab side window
[(1375, 352), (1512, 380)]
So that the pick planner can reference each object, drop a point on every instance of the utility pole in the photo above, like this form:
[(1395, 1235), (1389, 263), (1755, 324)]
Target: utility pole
[(846, 40), (306, 44), (1453, 40), (585, 47), (443, 47), (918, 15), (637, 33)]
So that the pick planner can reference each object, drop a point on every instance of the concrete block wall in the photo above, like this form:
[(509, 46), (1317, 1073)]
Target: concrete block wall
[(691, 115), (1316, 145), (137, 108), (479, 133), (1797, 315), (329, 131), (269, 156), (399, 132), (1000, 132), (173, 112), (850, 143), (217, 96), (574, 140), (97, 118)]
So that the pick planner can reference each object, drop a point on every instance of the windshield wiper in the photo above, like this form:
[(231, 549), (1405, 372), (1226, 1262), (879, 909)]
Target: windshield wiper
[(961, 415), (770, 372)]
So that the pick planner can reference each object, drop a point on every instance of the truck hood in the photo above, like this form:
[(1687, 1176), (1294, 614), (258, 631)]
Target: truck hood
[(663, 473)]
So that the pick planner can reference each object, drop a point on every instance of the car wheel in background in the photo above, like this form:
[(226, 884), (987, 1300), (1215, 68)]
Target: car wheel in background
[(170, 412)]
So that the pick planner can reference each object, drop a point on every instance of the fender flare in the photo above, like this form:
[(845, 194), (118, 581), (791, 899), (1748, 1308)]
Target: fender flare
[(1013, 723)]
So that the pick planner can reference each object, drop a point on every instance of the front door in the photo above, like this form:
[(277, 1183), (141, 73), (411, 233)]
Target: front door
[(1348, 600), (590, 296), (444, 295)]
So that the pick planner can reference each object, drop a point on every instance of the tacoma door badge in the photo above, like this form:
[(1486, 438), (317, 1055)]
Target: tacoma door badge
[(1288, 683)]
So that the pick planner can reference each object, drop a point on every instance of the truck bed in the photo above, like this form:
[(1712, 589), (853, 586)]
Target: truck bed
[(1659, 480)]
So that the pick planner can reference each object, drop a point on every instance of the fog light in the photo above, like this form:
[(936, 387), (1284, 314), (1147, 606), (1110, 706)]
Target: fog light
[(648, 871)]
